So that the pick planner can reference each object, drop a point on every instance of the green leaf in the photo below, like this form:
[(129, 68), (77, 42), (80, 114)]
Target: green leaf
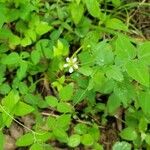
[(21, 72), (36, 146), (63, 121), (113, 103), (25, 140), (128, 134), (144, 53), (45, 48), (74, 140), (115, 73), (51, 101), (124, 49), (121, 146), (66, 93), (4, 88), (116, 24), (11, 59), (93, 8), (60, 135), (23, 109), (42, 28), (64, 107), (9, 103), (139, 72), (103, 54), (87, 140), (35, 56), (80, 128), (144, 102), (76, 12)]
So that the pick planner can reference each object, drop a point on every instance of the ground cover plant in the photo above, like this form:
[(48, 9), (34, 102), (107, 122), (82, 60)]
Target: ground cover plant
[(74, 74)]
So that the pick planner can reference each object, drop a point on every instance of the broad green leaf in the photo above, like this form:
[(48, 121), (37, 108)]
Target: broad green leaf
[(144, 52), (93, 7), (14, 40), (128, 134), (66, 93), (144, 102), (42, 28), (76, 12), (121, 146), (51, 122), (143, 124), (21, 72), (26, 41), (63, 121), (87, 140), (74, 140), (23, 109), (81, 128), (36, 146), (116, 24), (139, 72), (51, 101), (11, 59), (64, 107), (4, 88), (9, 103), (103, 54), (35, 56), (45, 48), (60, 135), (25, 140), (113, 103), (124, 49), (115, 73)]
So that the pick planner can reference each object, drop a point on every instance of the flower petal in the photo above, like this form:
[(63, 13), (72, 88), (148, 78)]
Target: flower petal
[(70, 69), (68, 59), (66, 65), (75, 66), (74, 59)]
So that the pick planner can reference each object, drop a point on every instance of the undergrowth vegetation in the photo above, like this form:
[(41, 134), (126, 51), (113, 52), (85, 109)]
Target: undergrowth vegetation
[(74, 74)]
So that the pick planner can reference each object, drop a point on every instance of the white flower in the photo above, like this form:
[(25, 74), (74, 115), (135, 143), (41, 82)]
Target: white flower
[(71, 64)]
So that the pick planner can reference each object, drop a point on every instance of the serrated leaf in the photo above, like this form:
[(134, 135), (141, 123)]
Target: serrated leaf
[(23, 109), (74, 140), (76, 12), (139, 72), (25, 140)]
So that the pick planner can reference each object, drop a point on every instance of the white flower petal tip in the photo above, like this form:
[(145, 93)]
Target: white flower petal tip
[(70, 70), (67, 59), (74, 59)]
